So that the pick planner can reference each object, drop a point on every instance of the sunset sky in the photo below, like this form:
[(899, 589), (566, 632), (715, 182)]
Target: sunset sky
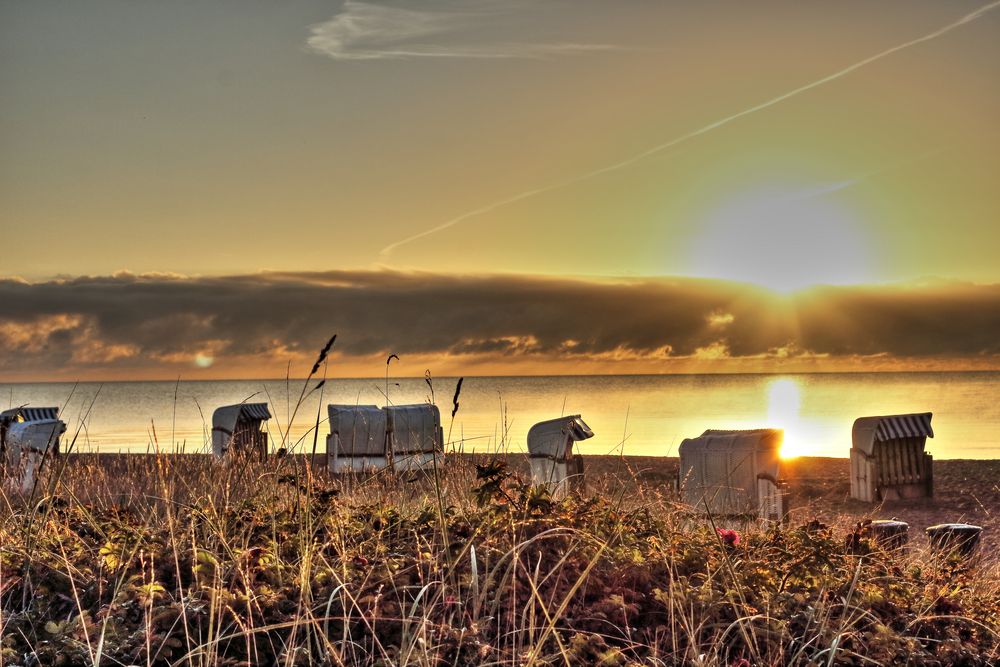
[(211, 189)]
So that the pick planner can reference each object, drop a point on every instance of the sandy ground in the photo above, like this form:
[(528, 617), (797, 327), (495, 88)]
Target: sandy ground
[(965, 491)]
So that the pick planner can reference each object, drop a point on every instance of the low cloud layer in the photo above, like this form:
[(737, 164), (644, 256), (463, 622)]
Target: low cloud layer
[(109, 325)]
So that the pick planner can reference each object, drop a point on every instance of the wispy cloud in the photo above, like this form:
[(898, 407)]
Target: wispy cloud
[(705, 129), (370, 31)]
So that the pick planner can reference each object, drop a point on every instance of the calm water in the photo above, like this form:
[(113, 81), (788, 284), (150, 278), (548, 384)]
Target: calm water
[(643, 414)]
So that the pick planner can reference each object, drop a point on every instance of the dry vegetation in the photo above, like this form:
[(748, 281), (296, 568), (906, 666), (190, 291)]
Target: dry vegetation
[(176, 560)]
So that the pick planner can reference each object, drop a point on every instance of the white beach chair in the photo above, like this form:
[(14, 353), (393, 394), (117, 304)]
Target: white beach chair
[(240, 428), (734, 473), (415, 435), (550, 448), (357, 440), (27, 444)]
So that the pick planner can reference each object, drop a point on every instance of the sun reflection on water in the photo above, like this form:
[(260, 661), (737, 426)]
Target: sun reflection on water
[(784, 406)]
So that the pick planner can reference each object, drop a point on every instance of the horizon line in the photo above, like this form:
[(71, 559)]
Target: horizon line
[(381, 378)]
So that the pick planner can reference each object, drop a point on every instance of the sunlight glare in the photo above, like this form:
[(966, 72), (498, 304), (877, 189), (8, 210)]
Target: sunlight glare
[(784, 402), (783, 240)]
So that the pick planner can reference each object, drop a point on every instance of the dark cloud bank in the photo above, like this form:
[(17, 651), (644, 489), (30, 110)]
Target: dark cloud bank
[(127, 320)]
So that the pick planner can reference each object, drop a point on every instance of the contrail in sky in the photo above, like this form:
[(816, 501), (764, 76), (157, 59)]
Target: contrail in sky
[(968, 18)]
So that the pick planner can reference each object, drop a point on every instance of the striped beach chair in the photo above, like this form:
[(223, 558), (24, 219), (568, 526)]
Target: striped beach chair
[(888, 461)]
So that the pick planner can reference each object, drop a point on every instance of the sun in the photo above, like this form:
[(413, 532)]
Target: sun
[(783, 239)]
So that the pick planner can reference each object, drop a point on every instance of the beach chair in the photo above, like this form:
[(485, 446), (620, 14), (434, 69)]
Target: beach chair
[(550, 450), (27, 437), (888, 461), (357, 440), (22, 414), (241, 428), (414, 435), (734, 473), (365, 438)]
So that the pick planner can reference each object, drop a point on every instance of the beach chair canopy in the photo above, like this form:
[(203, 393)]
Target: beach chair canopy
[(869, 430), (26, 414), (554, 438), (226, 419), (723, 468), (357, 430), (414, 429)]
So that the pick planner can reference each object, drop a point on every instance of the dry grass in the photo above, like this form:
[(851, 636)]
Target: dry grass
[(178, 560)]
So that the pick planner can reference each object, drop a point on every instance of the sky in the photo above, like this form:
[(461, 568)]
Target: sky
[(211, 189)]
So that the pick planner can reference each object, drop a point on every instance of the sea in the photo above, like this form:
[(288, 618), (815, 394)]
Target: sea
[(633, 415)]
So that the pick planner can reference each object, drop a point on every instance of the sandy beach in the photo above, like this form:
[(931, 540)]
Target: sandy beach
[(965, 491)]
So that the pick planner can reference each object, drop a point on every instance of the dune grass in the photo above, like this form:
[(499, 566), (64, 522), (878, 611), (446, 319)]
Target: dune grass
[(180, 560)]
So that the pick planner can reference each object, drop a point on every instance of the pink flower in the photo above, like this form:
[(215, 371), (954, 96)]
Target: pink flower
[(729, 537)]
